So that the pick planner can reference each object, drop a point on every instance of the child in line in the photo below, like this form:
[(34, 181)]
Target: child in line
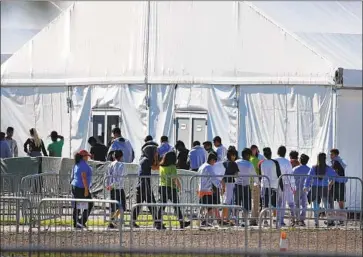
[(115, 184)]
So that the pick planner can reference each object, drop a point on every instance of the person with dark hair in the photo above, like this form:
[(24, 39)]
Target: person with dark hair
[(208, 188), (270, 170), (98, 151), (122, 144), (170, 185), (4, 147), (319, 179), (35, 144), (289, 184), (294, 159), (149, 141), (256, 152), (231, 170), (12, 142), (300, 196), (338, 189), (164, 147), (144, 193), (81, 180), (208, 147), (55, 148), (242, 189), (220, 149), (115, 179), (197, 156), (182, 159), (255, 158)]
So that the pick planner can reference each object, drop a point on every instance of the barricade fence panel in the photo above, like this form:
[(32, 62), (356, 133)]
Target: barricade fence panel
[(14, 227), (10, 184)]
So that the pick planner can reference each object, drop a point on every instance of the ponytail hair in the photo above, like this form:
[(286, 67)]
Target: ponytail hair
[(321, 166), (77, 158), (34, 134)]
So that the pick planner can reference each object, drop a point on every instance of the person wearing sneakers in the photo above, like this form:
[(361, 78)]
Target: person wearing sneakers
[(207, 188), (115, 184), (289, 184), (242, 189), (81, 180), (320, 178), (149, 159), (300, 196), (170, 186)]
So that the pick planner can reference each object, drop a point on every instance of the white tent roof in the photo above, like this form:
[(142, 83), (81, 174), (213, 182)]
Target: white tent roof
[(230, 42)]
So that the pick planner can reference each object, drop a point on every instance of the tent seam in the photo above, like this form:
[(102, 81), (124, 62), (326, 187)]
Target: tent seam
[(291, 34)]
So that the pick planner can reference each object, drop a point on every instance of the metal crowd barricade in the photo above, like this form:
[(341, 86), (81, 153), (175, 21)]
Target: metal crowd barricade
[(39, 186), (9, 184), (197, 235), (338, 240), (334, 193), (15, 230), (60, 232)]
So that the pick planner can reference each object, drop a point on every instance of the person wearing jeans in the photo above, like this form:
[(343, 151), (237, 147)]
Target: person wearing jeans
[(81, 182), (320, 178)]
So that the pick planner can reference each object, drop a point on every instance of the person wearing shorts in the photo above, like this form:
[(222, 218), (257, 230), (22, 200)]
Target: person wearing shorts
[(208, 187), (115, 184)]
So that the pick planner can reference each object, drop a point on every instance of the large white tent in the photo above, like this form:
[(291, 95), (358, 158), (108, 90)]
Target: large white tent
[(258, 74)]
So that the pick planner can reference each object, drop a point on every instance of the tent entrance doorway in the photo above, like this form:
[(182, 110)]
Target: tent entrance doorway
[(103, 121), (190, 127)]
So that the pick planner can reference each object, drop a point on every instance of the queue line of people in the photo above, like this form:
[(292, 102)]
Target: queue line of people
[(251, 182)]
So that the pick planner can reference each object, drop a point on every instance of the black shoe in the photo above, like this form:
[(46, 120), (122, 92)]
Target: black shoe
[(224, 223), (316, 225), (330, 224), (341, 223), (205, 224), (160, 227), (253, 223), (78, 226), (184, 224), (134, 225), (302, 223), (111, 226)]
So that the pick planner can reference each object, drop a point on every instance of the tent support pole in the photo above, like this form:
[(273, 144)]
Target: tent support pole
[(146, 66)]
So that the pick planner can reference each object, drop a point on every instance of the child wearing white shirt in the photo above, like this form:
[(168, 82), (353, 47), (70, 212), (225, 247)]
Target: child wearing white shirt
[(115, 184)]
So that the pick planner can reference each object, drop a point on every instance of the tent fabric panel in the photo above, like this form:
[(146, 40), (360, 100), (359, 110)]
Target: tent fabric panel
[(298, 117), (88, 40), (42, 108), (161, 111), (349, 138), (186, 46)]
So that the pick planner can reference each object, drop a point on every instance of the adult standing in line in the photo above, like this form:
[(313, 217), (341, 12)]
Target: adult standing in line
[(294, 159), (197, 156), (148, 141), (182, 158), (4, 147), (12, 142), (256, 190), (98, 151), (300, 196), (34, 145), (243, 190), (81, 182), (150, 158), (220, 149), (55, 148), (164, 147), (338, 189), (289, 184), (319, 179), (122, 144)]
